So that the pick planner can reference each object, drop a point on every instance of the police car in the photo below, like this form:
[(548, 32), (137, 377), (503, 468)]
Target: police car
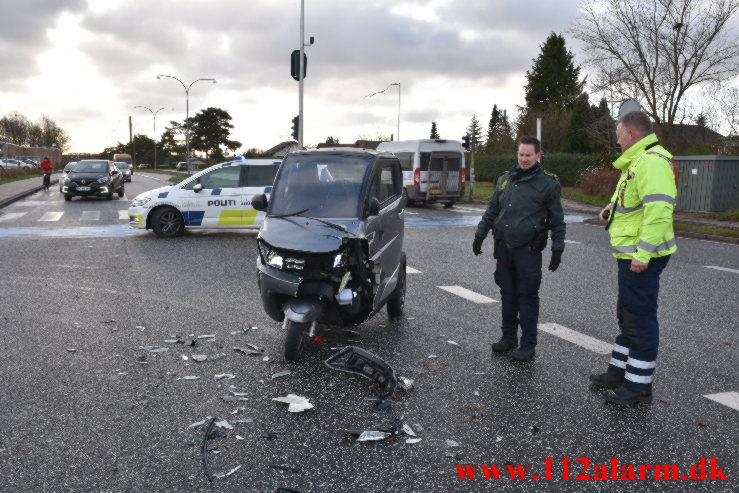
[(217, 197)]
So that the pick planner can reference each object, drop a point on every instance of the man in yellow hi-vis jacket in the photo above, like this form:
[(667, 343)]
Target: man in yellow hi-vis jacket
[(640, 225)]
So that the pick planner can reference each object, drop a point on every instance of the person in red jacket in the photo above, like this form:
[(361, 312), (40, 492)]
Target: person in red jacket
[(47, 168)]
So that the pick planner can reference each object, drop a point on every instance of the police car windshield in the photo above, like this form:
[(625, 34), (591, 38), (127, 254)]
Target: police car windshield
[(319, 186)]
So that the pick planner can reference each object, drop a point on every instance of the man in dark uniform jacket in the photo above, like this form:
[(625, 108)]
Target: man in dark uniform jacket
[(524, 206)]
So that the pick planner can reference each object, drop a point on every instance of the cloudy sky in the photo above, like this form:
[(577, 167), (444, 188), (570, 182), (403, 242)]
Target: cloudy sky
[(87, 63)]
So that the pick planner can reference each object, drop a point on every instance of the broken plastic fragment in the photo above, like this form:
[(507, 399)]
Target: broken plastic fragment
[(184, 357), (297, 403), (405, 383), (239, 437), (141, 328), (189, 377), (412, 440), (269, 435), (71, 350), (217, 357), (224, 424), (476, 393), (238, 394), (199, 357), (249, 349), (243, 420), (232, 398), (281, 374), (266, 358), (409, 431), (199, 423), (111, 321), (221, 475), (369, 436), (356, 360), (431, 356), (207, 336), (224, 375), (154, 349), (498, 439), (173, 341), (452, 444), (453, 343), (383, 405)]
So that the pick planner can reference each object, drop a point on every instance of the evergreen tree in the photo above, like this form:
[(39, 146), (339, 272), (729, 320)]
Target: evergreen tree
[(500, 135), (553, 80), (577, 138), (434, 132), (493, 126), (475, 132)]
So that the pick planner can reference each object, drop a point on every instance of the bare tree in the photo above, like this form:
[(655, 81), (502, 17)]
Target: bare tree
[(657, 50), (727, 103)]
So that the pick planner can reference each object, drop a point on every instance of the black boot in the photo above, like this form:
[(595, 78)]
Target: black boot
[(625, 396), (523, 353), (607, 380), (506, 343)]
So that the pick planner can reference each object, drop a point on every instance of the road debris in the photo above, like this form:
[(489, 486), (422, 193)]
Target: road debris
[(217, 357), (198, 424), (243, 420), (269, 435), (452, 444), (224, 424), (185, 357), (221, 376), (141, 328), (71, 350), (412, 440), (352, 359), (409, 431), (207, 336), (154, 349), (297, 403), (221, 475), (371, 436), (249, 350), (405, 383), (204, 448), (111, 321), (233, 398), (453, 343), (189, 377), (199, 357), (281, 374)]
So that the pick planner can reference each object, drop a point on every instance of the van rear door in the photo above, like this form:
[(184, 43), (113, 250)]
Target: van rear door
[(444, 175)]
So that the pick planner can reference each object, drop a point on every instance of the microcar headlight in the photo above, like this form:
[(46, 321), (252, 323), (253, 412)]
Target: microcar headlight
[(104, 179), (140, 201), (275, 260), (340, 259)]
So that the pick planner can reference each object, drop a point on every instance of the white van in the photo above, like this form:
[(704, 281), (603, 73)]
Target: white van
[(433, 169)]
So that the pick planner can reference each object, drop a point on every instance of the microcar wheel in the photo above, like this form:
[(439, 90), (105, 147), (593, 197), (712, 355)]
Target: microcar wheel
[(396, 302), (448, 205), (167, 222), (121, 191), (67, 197), (296, 334)]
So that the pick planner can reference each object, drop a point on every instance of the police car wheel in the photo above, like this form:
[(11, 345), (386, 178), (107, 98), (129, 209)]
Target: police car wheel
[(167, 222), (396, 302), (296, 333)]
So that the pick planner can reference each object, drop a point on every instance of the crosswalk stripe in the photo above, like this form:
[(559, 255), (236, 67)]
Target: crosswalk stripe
[(574, 242), (725, 269), (123, 214), (467, 294), (10, 216), (90, 216), (411, 270), (730, 399), (51, 216), (575, 337)]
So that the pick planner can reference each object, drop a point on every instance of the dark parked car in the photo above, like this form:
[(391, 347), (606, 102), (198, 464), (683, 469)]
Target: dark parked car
[(65, 173), (331, 246), (93, 178)]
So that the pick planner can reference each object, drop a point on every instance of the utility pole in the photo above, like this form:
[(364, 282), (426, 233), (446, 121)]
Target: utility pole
[(301, 69)]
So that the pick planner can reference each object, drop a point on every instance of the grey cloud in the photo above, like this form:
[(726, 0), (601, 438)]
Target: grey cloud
[(421, 116)]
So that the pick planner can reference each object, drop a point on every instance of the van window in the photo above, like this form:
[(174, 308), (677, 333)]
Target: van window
[(406, 160), (385, 184), (425, 159)]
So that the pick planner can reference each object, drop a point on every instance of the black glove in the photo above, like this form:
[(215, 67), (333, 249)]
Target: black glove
[(477, 245), (555, 260)]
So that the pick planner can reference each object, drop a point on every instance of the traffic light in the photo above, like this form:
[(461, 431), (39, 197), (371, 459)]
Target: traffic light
[(296, 127), (295, 61), (466, 142)]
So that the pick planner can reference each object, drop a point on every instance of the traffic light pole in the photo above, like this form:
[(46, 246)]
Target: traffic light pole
[(300, 74), (472, 171)]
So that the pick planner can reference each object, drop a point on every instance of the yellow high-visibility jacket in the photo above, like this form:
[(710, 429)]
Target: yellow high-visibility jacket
[(643, 203)]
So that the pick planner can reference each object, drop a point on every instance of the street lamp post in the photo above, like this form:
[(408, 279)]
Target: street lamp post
[(154, 114), (187, 113)]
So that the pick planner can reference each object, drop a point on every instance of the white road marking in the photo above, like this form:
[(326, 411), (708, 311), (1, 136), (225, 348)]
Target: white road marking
[(467, 294), (412, 213), (124, 198), (123, 214), (467, 209), (10, 216), (575, 337), (90, 216), (726, 269), (574, 242), (730, 399), (51, 216), (411, 270)]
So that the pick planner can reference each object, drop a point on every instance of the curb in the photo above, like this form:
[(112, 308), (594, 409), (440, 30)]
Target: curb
[(685, 234), (9, 200)]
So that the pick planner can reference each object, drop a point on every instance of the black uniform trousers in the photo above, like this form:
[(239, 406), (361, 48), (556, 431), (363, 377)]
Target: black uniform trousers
[(518, 274)]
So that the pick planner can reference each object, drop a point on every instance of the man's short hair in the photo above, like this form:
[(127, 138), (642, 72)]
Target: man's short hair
[(637, 121), (527, 139)]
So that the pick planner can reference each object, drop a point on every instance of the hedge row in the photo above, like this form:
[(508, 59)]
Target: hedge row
[(568, 167)]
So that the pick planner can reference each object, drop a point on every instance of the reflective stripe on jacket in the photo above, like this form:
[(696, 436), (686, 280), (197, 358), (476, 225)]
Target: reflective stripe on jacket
[(643, 203)]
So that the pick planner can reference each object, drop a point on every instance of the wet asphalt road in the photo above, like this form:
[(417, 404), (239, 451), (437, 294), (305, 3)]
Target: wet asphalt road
[(82, 413)]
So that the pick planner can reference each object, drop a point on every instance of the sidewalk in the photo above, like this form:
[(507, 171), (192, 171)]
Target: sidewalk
[(16, 190)]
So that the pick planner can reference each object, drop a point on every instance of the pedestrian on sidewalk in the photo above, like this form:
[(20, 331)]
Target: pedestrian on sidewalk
[(639, 221), (524, 207), (47, 167)]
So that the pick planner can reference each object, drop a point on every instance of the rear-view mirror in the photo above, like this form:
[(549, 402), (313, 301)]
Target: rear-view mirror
[(374, 207), (197, 188)]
